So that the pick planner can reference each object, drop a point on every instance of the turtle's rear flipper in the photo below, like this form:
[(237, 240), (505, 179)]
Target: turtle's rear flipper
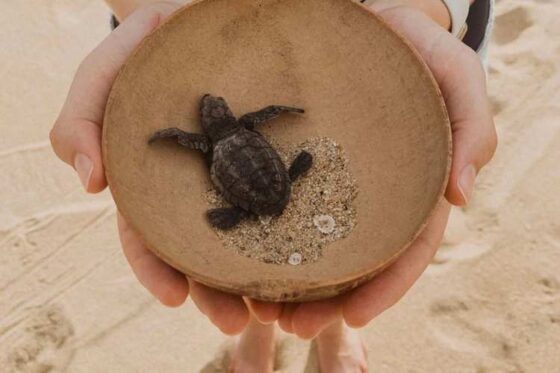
[(300, 165), (225, 217)]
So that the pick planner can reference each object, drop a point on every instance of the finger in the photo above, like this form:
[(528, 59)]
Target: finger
[(227, 311), (462, 80), (164, 282), (77, 142), (310, 318), (474, 134), (76, 134), (286, 316), (369, 300), (264, 312)]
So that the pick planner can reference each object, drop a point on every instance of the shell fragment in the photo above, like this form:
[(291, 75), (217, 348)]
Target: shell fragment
[(294, 259), (324, 223)]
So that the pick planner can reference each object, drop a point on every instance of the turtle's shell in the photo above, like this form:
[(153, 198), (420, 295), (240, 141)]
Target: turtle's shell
[(250, 174)]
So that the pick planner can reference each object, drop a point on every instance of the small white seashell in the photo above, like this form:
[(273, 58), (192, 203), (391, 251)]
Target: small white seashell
[(324, 223), (294, 259)]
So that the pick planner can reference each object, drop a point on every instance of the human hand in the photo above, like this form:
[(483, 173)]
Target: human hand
[(76, 139), (462, 80)]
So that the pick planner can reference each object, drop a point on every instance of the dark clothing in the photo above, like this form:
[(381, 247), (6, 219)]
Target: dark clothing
[(477, 21)]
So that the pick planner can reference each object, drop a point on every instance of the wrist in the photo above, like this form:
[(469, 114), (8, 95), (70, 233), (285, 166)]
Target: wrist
[(434, 9)]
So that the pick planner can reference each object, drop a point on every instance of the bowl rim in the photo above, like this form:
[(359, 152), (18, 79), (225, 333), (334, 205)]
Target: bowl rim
[(325, 289)]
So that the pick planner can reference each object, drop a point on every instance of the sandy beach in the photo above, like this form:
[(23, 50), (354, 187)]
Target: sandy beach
[(489, 302)]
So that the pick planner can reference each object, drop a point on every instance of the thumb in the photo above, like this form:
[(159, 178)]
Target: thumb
[(462, 80), (76, 134)]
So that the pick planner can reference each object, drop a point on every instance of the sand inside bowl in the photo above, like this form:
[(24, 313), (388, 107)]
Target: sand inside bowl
[(320, 211)]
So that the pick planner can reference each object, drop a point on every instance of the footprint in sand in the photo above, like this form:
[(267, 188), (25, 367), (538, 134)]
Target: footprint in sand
[(550, 286), (472, 327), (522, 72), (549, 297), (42, 345), (510, 25), (455, 325)]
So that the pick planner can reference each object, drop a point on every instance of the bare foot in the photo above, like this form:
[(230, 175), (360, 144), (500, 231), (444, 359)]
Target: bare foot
[(340, 349), (254, 351)]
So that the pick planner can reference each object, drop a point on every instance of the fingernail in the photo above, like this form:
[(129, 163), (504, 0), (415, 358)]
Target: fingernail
[(466, 182), (84, 168)]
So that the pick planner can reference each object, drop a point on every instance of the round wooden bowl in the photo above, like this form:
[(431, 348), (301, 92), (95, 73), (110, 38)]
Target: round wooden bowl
[(361, 85)]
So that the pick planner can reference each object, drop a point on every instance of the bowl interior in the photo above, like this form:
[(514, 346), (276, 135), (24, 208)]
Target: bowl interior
[(360, 84)]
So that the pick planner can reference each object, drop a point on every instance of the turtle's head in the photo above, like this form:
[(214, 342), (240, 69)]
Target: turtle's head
[(216, 118)]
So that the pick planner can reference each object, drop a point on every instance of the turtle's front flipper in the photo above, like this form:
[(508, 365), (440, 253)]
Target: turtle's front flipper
[(225, 217), (300, 165), (250, 120), (195, 141)]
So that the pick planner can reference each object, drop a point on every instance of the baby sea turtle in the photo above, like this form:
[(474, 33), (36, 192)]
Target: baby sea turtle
[(243, 165)]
